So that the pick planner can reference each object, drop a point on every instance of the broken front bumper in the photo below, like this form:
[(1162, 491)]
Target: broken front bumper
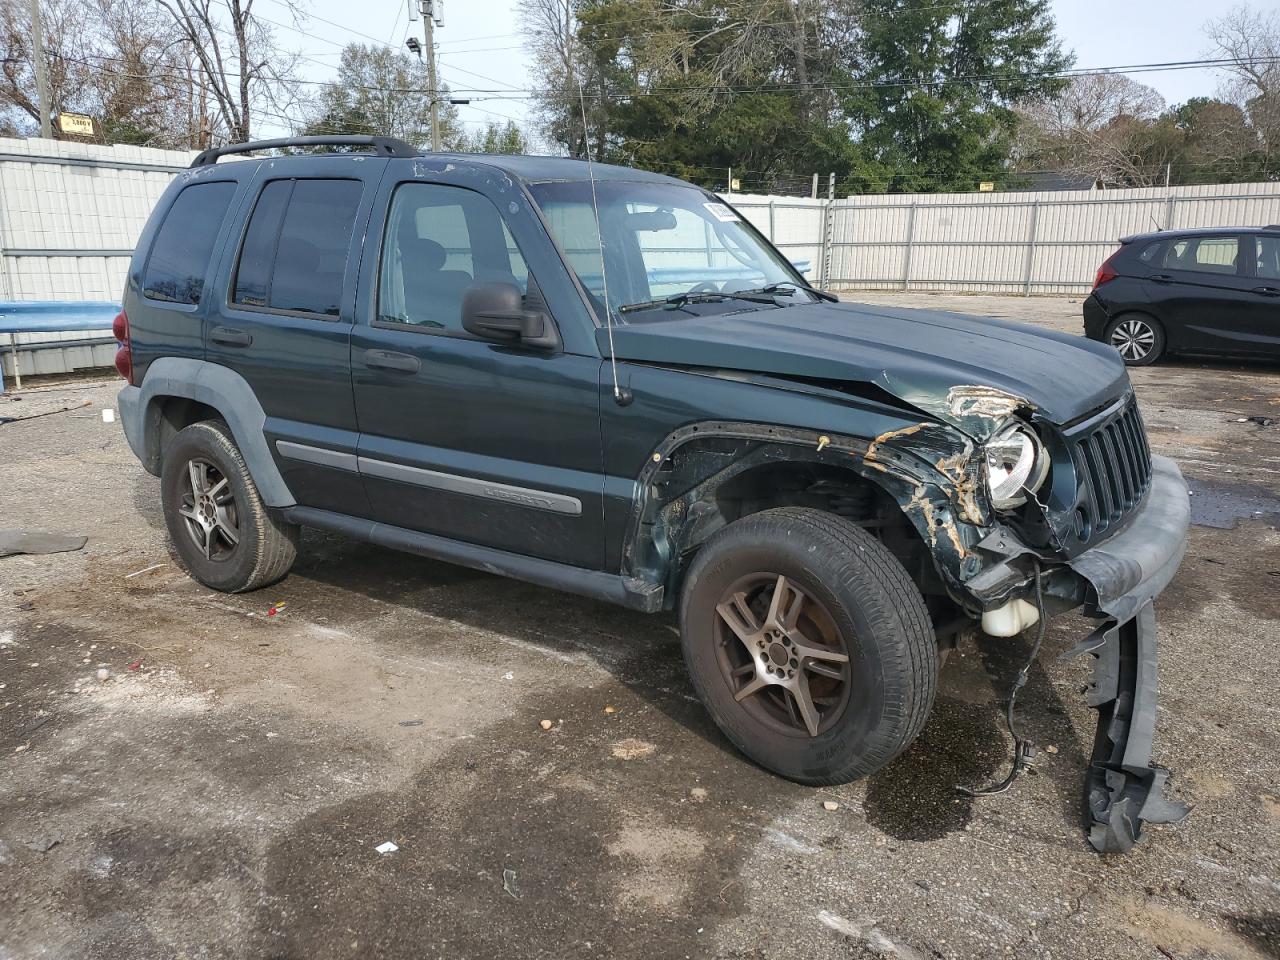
[(1117, 582)]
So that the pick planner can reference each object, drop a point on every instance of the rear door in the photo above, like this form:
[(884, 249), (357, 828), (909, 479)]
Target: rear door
[(1201, 291), (285, 317), (1264, 315), (488, 443)]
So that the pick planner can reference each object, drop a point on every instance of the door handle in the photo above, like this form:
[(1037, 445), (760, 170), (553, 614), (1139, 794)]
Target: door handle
[(229, 337), (1268, 291), (1161, 278), (390, 360)]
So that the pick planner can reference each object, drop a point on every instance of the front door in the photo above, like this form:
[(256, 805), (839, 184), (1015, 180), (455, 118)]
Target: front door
[(492, 444), (285, 314), (1202, 291)]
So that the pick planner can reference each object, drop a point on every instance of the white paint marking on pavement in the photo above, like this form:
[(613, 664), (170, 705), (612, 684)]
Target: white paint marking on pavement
[(871, 936), (788, 841)]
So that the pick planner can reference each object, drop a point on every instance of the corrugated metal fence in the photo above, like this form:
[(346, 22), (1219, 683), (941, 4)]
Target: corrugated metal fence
[(70, 214), (1020, 243)]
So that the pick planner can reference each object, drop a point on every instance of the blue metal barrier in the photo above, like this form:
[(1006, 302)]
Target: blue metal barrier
[(51, 316)]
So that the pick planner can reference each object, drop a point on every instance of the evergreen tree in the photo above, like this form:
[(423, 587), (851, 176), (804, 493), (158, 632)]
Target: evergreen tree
[(931, 92)]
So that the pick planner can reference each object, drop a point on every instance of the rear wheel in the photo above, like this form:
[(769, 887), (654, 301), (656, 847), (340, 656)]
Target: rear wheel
[(222, 531), (809, 644), (1138, 339)]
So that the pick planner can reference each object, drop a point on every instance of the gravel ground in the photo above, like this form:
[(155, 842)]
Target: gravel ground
[(222, 793)]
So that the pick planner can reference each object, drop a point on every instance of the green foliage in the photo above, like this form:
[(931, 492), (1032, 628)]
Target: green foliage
[(930, 101), (384, 92), (494, 138)]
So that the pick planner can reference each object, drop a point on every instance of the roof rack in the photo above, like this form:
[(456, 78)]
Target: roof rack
[(388, 146)]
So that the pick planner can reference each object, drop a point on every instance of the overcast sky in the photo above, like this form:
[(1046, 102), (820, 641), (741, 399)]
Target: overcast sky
[(480, 44)]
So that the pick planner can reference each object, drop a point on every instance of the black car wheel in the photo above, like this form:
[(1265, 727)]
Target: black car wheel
[(1138, 339), (222, 531), (809, 644)]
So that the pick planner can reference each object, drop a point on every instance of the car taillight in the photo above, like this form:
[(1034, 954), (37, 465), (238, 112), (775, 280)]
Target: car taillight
[(124, 352), (1106, 273)]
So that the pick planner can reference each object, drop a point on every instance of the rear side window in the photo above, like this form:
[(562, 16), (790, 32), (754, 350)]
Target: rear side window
[(184, 243), (1203, 255), (294, 255)]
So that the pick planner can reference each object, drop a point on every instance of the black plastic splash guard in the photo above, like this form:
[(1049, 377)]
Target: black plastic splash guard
[(1123, 790)]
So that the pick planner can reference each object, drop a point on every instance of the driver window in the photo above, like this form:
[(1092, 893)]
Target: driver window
[(439, 241)]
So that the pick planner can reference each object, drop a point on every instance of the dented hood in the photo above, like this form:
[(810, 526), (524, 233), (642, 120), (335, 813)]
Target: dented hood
[(962, 370)]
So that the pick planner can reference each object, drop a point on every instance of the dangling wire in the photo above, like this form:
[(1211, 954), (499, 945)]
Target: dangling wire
[(595, 209), (1023, 750)]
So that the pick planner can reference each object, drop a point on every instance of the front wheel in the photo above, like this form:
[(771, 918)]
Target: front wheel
[(809, 645), (222, 531), (1138, 339)]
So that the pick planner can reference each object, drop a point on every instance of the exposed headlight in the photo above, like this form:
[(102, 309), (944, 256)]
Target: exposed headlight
[(1016, 463)]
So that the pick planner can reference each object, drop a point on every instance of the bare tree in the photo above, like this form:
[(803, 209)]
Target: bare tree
[(564, 72), (118, 61), (1104, 127), (1251, 38), (242, 68)]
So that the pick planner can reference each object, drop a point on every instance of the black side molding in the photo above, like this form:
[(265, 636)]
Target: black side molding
[(382, 146), (624, 591)]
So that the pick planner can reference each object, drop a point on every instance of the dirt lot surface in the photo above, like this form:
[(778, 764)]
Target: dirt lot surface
[(222, 792)]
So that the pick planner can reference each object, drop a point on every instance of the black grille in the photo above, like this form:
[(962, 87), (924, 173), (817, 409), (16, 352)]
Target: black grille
[(1116, 463), (1116, 466)]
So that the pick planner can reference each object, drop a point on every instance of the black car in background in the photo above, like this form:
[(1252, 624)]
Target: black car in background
[(1205, 291)]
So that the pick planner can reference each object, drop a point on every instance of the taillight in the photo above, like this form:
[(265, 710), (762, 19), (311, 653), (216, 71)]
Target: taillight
[(124, 352), (1106, 273)]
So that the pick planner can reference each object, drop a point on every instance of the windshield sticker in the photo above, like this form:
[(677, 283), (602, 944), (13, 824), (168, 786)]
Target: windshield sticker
[(722, 213)]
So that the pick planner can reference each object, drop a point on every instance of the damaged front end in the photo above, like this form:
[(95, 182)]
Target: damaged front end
[(1109, 541), (1100, 525)]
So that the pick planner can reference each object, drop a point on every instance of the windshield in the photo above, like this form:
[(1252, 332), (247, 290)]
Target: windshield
[(662, 241)]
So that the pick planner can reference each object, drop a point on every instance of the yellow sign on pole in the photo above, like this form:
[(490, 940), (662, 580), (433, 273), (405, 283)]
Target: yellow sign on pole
[(75, 123), (986, 186), (735, 184)]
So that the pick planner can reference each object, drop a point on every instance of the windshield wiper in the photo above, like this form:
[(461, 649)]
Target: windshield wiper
[(787, 285), (706, 296)]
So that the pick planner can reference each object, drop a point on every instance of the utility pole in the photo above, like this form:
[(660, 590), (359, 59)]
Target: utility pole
[(42, 78), (428, 26)]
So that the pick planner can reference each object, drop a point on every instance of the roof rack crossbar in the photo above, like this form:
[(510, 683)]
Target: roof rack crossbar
[(383, 146)]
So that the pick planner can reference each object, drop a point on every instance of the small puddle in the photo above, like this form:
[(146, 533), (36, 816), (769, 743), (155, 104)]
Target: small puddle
[(1223, 505)]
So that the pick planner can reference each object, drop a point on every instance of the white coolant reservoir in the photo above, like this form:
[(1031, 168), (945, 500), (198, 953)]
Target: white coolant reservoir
[(1010, 620)]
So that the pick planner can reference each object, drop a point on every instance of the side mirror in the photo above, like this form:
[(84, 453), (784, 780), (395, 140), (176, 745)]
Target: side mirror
[(495, 311)]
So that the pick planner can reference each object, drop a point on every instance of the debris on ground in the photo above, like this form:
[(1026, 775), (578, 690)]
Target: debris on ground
[(104, 674), (387, 847), (508, 675), (610, 709), (509, 883), (276, 608), (546, 724), (46, 413), (46, 843), (698, 794), (410, 723), (138, 573), (36, 542), (631, 749), (830, 805)]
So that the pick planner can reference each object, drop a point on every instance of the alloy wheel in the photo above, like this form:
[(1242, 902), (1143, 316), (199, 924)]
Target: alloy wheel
[(1133, 338), (782, 654), (208, 510)]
